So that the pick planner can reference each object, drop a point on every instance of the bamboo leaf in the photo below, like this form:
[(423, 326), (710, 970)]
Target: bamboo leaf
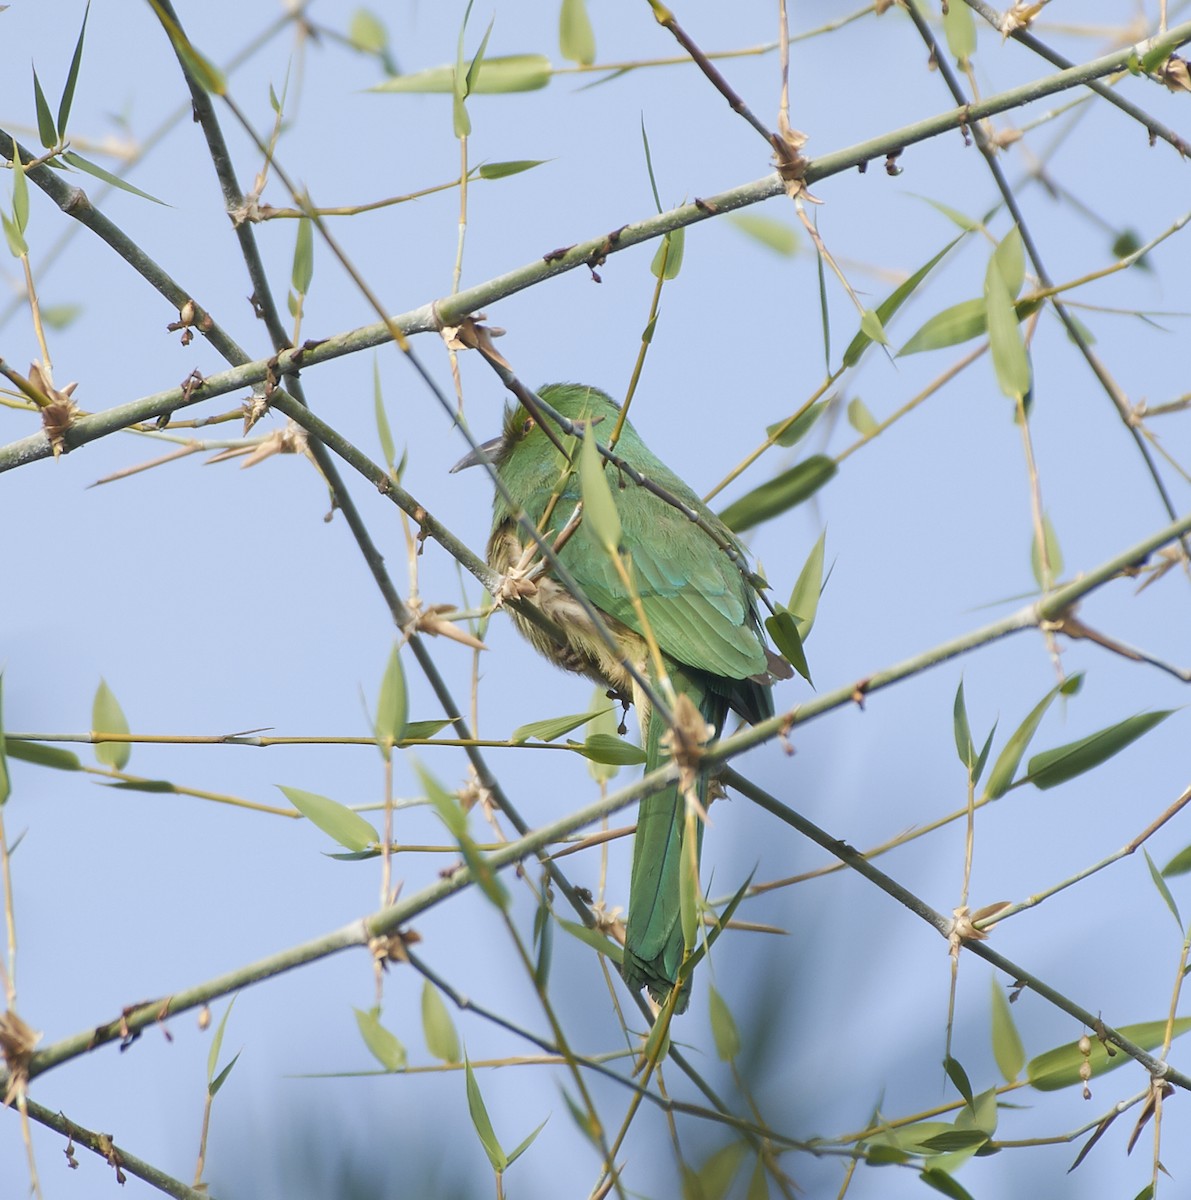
[(1011, 755), (959, 26), (555, 727), (794, 431), (499, 74), (602, 725), (383, 432), (303, 269), (1052, 767), (606, 748), (205, 73), (1006, 1041), (1011, 360), (576, 38), (600, 517), (439, 1030), (893, 302), (808, 587), (80, 163), (108, 717), (483, 1123), (723, 1026), (5, 781), (780, 494), (502, 170), (20, 193), (959, 323), (595, 939), (783, 628), (336, 820), (43, 755), (1059, 1068), (514, 1155), (1054, 556), (72, 76), (45, 118), (860, 418), (774, 235), (383, 1045), (392, 708), (963, 732), (667, 260), (934, 1177), (217, 1042), (1163, 890), (959, 1077)]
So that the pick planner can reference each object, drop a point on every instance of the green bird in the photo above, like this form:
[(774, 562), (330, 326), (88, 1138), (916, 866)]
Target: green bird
[(699, 608)]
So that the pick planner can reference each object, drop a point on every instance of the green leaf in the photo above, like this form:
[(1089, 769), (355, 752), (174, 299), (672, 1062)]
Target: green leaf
[(367, 32), (20, 192), (933, 1177), (419, 730), (555, 727), (108, 717), (793, 431), (221, 1078), (336, 820), (959, 323), (514, 1155), (1011, 261), (217, 1043), (72, 76), (959, 1077), (1052, 767), (392, 708), (1006, 1041), (595, 939), (506, 73), (477, 61), (688, 890), (892, 303), (1179, 865), (45, 118), (960, 28), (1010, 757), (714, 1178), (205, 73), (667, 261), (80, 163), (723, 1026), (543, 936), (860, 418), (600, 517), (783, 628), (501, 170), (451, 813), (804, 599), (871, 327), (17, 245), (153, 786), (966, 223), (5, 781), (383, 432), (606, 748), (775, 235), (953, 1139), (1163, 890), (441, 1039), (784, 492), (303, 270), (60, 316), (603, 725), (962, 730), (1011, 360), (43, 755), (758, 1184), (483, 1123), (576, 39), (1054, 556), (383, 1045), (1059, 1068)]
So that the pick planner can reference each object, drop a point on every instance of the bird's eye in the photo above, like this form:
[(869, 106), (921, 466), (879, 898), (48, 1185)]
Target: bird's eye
[(529, 424)]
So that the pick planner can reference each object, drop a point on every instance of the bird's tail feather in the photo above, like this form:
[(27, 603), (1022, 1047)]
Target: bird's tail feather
[(654, 942)]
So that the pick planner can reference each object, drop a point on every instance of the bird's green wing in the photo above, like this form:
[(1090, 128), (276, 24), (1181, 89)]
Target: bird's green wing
[(695, 599)]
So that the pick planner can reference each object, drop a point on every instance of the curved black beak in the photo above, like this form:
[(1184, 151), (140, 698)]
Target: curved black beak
[(488, 451)]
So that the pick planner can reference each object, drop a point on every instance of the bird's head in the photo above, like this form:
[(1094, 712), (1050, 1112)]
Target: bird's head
[(521, 440)]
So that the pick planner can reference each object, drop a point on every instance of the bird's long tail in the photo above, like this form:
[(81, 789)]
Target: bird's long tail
[(654, 942)]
